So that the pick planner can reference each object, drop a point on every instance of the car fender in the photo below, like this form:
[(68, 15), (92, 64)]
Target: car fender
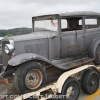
[(93, 47), (19, 59)]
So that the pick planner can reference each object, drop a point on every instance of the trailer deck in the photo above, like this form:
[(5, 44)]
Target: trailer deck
[(12, 93)]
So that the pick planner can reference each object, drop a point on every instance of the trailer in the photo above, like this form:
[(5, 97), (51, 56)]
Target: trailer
[(68, 85)]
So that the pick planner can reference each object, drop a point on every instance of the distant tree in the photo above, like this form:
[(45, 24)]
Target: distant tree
[(15, 31)]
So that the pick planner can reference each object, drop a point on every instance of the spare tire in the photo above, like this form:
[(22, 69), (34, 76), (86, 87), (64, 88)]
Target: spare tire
[(30, 76)]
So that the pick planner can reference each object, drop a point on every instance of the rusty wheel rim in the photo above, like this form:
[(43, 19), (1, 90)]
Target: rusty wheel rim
[(33, 79)]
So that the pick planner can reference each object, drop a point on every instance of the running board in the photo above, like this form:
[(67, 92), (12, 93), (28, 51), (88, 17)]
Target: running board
[(72, 64)]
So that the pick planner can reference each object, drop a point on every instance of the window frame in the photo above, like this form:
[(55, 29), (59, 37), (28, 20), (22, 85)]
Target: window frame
[(92, 17), (66, 17)]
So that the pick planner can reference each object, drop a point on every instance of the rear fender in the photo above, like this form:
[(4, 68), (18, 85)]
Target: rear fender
[(93, 48)]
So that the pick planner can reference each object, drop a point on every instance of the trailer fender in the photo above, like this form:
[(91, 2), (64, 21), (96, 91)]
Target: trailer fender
[(19, 59), (61, 80)]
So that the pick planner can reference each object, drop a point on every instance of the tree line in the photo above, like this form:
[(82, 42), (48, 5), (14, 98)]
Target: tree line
[(15, 31)]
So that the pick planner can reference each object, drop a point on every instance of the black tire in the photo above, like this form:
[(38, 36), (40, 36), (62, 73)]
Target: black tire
[(70, 82), (97, 56), (90, 82), (30, 68)]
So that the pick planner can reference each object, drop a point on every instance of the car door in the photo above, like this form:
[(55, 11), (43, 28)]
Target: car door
[(92, 29), (72, 37)]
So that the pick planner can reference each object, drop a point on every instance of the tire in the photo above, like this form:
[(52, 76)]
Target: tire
[(90, 82), (30, 76), (70, 83), (97, 56)]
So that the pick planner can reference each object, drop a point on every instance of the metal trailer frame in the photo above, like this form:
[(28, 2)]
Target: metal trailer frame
[(56, 87)]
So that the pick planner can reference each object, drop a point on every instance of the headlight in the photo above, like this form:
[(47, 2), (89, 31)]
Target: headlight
[(9, 48), (11, 42)]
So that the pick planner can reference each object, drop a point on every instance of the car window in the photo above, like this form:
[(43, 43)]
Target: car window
[(91, 23), (80, 22), (64, 23), (71, 24)]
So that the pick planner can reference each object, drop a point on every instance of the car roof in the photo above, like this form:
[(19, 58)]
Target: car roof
[(76, 13), (80, 13)]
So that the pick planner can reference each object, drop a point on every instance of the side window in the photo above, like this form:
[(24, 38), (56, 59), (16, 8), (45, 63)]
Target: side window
[(64, 24), (71, 24), (91, 23), (80, 22)]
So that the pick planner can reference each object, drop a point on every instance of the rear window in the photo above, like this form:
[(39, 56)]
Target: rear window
[(91, 23)]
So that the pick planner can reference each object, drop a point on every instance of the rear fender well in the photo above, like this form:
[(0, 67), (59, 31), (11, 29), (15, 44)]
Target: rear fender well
[(93, 47)]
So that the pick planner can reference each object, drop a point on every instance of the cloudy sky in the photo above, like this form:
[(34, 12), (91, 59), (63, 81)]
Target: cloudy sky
[(18, 13)]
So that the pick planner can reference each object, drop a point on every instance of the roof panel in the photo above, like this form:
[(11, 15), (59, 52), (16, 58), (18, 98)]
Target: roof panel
[(80, 13), (76, 13)]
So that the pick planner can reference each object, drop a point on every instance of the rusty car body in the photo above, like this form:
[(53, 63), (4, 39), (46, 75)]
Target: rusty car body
[(64, 42)]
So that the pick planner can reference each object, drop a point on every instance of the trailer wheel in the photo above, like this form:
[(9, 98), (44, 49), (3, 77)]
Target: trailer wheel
[(90, 82), (70, 90), (30, 76)]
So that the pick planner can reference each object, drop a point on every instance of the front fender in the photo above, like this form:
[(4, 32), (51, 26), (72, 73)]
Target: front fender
[(19, 59)]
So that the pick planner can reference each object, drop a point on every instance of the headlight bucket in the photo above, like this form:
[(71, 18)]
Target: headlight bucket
[(9, 48)]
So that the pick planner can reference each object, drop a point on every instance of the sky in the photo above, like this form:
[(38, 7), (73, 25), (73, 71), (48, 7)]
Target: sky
[(18, 13)]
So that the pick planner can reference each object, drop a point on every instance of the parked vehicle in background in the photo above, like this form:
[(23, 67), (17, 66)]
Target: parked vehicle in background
[(62, 42)]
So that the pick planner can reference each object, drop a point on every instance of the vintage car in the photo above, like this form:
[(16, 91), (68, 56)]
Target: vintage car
[(58, 42)]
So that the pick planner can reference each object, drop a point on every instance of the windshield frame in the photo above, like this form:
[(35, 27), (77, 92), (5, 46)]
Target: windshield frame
[(46, 17)]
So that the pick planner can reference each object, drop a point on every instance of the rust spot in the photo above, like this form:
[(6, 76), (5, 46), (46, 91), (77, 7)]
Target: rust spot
[(73, 65), (69, 45), (4, 81)]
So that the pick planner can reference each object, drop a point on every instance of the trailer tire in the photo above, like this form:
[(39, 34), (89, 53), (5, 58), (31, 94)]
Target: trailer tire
[(25, 83), (90, 82), (72, 85)]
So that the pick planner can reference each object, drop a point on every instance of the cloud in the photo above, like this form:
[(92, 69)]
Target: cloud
[(18, 13)]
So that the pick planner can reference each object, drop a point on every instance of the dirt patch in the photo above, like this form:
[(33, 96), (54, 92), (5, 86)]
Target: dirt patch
[(8, 92)]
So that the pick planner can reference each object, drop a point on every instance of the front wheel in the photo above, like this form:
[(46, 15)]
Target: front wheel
[(30, 76)]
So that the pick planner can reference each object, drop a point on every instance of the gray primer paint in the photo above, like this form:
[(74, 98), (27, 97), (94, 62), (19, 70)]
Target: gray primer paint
[(56, 45)]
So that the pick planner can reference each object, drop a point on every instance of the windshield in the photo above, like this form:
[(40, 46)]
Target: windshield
[(46, 25)]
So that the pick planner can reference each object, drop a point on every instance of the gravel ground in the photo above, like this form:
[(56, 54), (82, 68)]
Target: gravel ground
[(7, 93)]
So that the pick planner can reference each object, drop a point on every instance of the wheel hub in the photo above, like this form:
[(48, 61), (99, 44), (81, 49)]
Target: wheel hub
[(92, 81), (33, 79), (70, 92)]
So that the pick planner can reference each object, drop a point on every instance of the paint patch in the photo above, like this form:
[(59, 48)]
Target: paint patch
[(93, 96)]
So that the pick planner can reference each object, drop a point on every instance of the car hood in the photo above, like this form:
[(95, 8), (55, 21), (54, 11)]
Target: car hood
[(1, 38), (35, 35)]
